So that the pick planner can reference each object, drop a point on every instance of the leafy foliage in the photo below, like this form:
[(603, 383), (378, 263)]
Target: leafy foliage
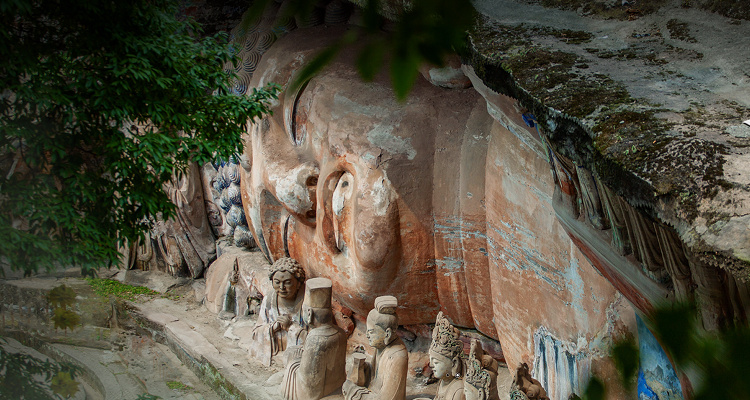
[(63, 299), (25, 377), (147, 396), (424, 31), (177, 385), (64, 384), (65, 319), (61, 296), (101, 104), (107, 287)]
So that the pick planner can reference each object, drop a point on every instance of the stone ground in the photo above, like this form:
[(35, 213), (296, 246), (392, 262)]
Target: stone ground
[(167, 346)]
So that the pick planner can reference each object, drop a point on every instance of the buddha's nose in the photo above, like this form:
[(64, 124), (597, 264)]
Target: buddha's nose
[(297, 190)]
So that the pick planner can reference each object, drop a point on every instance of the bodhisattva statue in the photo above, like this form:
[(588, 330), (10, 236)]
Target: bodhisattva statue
[(280, 323), (525, 387), (389, 366), (480, 382), (446, 360), (316, 369)]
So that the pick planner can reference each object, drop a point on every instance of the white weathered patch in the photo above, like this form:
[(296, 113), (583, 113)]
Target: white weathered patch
[(382, 137), (381, 195), (292, 190), (343, 106)]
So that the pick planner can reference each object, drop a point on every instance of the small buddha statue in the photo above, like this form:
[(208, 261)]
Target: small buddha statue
[(388, 368), (480, 382), (316, 369), (446, 360), (280, 323)]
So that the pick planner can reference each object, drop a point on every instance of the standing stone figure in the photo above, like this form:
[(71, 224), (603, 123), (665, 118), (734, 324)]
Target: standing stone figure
[(280, 322), (480, 382), (390, 364), (446, 360), (316, 369)]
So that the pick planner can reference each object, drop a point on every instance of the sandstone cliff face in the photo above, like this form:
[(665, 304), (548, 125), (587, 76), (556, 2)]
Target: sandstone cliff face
[(445, 201), (596, 168)]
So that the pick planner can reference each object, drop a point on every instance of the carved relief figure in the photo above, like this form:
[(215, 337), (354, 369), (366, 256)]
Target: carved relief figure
[(184, 244), (280, 323), (480, 382), (316, 369), (528, 386), (446, 360), (387, 371)]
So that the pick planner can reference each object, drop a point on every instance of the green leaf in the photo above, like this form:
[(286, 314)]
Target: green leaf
[(315, 65), (626, 357), (370, 59), (404, 71), (594, 390), (64, 385), (675, 328)]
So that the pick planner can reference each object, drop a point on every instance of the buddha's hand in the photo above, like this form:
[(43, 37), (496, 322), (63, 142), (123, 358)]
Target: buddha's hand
[(285, 321)]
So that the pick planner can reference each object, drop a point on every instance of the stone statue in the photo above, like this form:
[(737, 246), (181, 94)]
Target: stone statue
[(446, 360), (390, 364), (344, 179), (480, 382), (280, 322), (316, 369), (527, 385)]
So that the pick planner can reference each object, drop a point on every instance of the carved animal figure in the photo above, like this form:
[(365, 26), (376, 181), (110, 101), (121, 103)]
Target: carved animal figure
[(528, 385)]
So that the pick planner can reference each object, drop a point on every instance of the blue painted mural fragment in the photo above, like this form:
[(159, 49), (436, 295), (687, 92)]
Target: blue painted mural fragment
[(657, 378)]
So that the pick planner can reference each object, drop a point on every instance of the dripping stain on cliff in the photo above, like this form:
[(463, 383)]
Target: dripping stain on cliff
[(560, 366)]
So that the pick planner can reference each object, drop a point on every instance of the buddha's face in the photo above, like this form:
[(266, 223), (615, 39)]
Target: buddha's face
[(285, 284), (441, 365), (339, 178)]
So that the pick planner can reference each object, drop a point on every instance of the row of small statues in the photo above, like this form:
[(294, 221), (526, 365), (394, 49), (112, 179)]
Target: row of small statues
[(300, 323)]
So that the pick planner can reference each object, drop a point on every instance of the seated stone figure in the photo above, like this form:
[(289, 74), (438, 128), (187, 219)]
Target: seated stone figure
[(316, 369), (446, 360), (480, 382), (280, 322), (390, 364)]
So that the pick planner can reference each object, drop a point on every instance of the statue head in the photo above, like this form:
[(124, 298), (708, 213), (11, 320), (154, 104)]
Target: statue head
[(286, 276), (382, 322), (446, 350), (341, 176), (316, 308), (478, 381)]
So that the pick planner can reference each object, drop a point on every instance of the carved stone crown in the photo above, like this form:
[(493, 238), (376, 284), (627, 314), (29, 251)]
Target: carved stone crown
[(476, 375), (445, 338)]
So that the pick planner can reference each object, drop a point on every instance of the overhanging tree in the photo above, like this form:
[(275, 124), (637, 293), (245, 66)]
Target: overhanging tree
[(101, 103)]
